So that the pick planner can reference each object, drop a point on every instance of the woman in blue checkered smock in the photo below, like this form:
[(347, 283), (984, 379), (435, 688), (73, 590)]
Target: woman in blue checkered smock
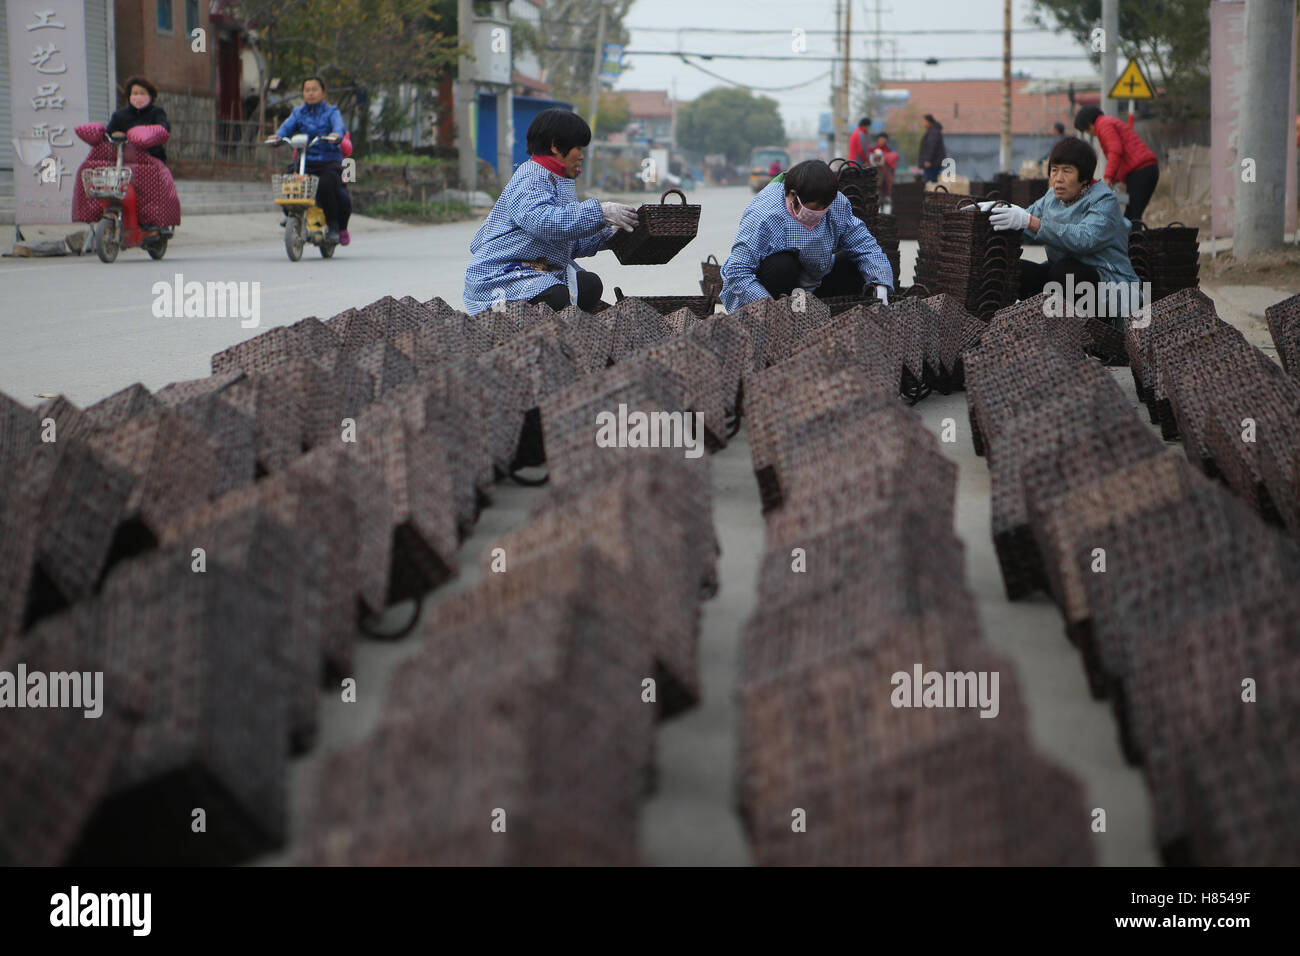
[(801, 232), (526, 247)]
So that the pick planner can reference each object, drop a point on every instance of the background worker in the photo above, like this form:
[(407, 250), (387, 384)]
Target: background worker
[(1078, 221), (525, 249), (1128, 159), (932, 152), (800, 232), (886, 160), (860, 141)]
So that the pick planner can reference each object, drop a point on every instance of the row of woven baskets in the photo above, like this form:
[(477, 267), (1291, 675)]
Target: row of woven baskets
[(1173, 590), (859, 184), (1284, 328), (1236, 411), (1168, 257), (324, 471), (532, 697), (961, 254), (862, 578)]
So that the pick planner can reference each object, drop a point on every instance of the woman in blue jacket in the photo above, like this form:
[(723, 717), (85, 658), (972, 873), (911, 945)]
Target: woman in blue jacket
[(318, 118), (800, 231), (525, 249), (1079, 221)]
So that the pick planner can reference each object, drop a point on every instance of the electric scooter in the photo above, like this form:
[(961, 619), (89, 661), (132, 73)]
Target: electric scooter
[(119, 227), (295, 194)]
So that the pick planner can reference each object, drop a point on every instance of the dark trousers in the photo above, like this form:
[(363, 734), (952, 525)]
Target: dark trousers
[(932, 174), (589, 290), (779, 274), (1141, 184), (331, 195), (1034, 276)]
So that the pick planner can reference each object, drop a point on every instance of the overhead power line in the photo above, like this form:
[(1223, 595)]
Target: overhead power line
[(805, 58), (750, 86), (787, 31)]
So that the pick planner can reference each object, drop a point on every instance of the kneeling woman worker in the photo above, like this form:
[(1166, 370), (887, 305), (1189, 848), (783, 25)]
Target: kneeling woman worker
[(1079, 222), (526, 247), (802, 232)]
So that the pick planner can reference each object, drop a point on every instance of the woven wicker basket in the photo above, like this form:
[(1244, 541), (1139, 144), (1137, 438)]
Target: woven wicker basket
[(711, 269), (214, 715), (662, 231), (701, 305), (55, 763), (1284, 327)]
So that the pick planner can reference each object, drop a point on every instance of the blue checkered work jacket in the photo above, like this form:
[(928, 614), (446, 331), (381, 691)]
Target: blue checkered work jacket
[(766, 228), (537, 216)]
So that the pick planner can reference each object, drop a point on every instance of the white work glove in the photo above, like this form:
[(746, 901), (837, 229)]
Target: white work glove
[(882, 294), (619, 216), (987, 205), (1010, 217)]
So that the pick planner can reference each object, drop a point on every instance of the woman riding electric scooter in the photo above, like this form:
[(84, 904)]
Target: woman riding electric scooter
[(317, 118)]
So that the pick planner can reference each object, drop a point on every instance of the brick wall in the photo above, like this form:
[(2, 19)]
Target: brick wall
[(165, 58)]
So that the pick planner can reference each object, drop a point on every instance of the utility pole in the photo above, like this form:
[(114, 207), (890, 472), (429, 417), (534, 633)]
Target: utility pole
[(595, 69), (593, 171), (1005, 151), (1109, 37), (846, 104), (1259, 208), (465, 93)]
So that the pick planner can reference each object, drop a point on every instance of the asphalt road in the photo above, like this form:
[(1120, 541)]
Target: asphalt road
[(78, 326)]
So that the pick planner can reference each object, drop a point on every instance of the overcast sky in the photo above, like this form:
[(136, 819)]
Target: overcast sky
[(654, 25)]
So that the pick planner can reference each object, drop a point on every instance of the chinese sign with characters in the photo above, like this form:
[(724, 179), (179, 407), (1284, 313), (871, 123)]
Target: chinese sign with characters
[(48, 84)]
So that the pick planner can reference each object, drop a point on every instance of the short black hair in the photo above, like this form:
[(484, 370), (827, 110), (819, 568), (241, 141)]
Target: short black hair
[(1073, 151), (1086, 117), (881, 134), (812, 180), (307, 80), (563, 129), (1060, 128), (140, 81), (865, 121), (929, 118)]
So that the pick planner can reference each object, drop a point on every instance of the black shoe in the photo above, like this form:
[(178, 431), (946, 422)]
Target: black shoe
[(332, 236)]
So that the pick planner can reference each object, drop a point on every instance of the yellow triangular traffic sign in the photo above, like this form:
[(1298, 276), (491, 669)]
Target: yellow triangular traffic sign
[(1132, 84)]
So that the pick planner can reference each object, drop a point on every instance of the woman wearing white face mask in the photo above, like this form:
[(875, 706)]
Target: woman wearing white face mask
[(800, 232)]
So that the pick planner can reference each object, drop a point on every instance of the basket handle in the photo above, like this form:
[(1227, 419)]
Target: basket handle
[(669, 192), (712, 259), (938, 186), (618, 294), (917, 285), (1176, 222)]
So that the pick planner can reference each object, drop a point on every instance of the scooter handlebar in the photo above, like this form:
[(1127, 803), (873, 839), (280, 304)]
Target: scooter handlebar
[(286, 140)]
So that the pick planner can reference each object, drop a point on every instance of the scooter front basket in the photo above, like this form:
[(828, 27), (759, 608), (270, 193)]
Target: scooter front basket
[(294, 186), (106, 182)]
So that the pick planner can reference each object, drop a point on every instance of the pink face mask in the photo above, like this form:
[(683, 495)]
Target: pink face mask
[(808, 218)]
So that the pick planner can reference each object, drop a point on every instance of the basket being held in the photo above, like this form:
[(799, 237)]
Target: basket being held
[(663, 230)]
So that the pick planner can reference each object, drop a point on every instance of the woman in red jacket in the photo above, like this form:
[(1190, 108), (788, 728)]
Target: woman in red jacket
[(1127, 158)]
